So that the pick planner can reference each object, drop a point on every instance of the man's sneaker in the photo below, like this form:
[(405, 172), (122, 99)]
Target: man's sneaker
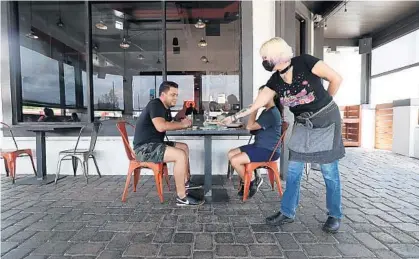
[(254, 186), (192, 186), (188, 201)]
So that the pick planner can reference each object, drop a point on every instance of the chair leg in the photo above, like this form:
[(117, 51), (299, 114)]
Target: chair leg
[(247, 178), (11, 164), (75, 163), (125, 193), (278, 182), (97, 167), (166, 176), (136, 178), (57, 173), (85, 170), (271, 176), (6, 167), (159, 184), (275, 174)]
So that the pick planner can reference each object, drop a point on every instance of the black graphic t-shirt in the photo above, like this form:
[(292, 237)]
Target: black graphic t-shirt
[(306, 92), (145, 131)]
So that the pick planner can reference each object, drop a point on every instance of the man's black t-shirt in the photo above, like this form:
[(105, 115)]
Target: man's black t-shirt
[(145, 131), (306, 92)]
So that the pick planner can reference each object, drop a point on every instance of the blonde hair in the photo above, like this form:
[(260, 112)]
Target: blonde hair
[(276, 50)]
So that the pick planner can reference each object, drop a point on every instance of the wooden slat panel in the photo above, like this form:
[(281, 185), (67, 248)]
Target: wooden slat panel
[(384, 126)]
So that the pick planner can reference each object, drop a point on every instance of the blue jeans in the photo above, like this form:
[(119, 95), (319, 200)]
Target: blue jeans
[(331, 177)]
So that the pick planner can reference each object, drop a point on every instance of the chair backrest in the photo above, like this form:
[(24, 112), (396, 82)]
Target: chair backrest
[(93, 136), (11, 133), (121, 125), (95, 132), (281, 139)]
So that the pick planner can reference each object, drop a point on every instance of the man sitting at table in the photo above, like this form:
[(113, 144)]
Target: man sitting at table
[(267, 131), (149, 144)]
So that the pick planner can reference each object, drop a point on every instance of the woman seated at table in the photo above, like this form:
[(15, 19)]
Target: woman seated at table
[(267, 131)]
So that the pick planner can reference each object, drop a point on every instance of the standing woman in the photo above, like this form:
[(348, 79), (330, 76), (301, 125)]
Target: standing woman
[(316, 136)]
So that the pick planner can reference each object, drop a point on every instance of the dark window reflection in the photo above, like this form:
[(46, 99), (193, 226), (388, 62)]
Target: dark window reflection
[(52, 57)]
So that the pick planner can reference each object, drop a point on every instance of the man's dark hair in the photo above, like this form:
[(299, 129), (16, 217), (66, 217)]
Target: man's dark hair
[(165, 86)]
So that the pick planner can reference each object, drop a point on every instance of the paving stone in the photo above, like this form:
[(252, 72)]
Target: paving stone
[(400, 235), (295, 255), (385, 238), (136, 250), (386, 254), (320, 250), (120, 241), (102, 236), (217, 228), (265, 250), (305, 237), (52, 248), (354, 250), (10, 231), (203, 255), (224, 238), (345, 238), (21, 236), (183, 238), (184, 227), (231, 250), (408, 227), (265, 238), (144, 227), (62, 235), (110, 254), (243, 235), (17, 253), (85, 249), (369, 241), (85, 234), (37, 240), (294, 227), (175, 250), (287, 241), (203, 241), (263, 228), (406, 250), (163, 235), (143, 237), (7, 246)]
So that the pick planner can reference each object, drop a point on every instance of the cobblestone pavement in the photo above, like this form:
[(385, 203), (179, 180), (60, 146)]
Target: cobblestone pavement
[(79, 220)]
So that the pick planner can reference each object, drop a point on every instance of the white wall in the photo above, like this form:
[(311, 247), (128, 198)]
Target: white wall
[(347, 62), (416, 141), (263, 30), (405, 124)]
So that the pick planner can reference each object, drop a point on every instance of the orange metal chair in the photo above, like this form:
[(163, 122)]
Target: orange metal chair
[(10, 156), (159, 169), (271, 166)]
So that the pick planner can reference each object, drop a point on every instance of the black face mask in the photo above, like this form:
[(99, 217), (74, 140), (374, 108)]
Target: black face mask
[(268, 66)]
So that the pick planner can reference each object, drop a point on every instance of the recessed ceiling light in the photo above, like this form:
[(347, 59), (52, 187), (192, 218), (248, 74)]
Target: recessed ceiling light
[(101, 25)]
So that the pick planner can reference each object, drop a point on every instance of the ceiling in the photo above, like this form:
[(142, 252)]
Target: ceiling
[(142, 22), (362, 17)]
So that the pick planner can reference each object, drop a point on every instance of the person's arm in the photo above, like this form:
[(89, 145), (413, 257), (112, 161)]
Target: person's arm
[(262, 99), (251, 123), (324, 71), (158, 115), (162, 125), (320, 69)]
